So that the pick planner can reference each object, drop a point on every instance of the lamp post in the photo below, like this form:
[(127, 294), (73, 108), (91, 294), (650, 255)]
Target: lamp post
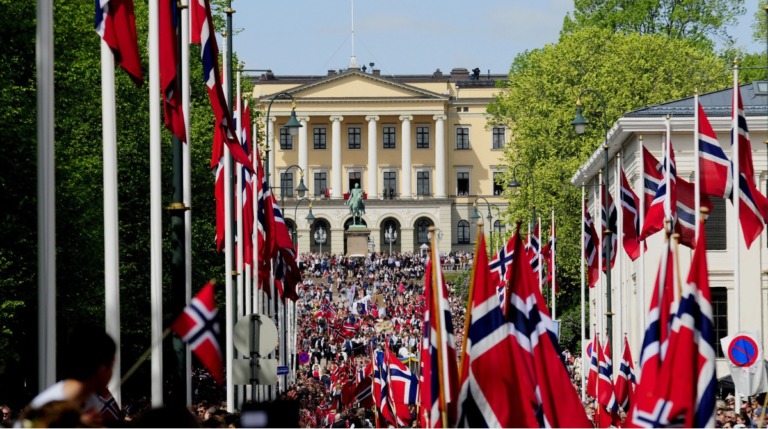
[(579, 124), (515, 184), (476, 215), (320, 237), (310, 218), (293, 125), (300, 190), (391, 236)]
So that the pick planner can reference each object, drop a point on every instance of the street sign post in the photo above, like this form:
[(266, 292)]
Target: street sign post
[(255, 335)]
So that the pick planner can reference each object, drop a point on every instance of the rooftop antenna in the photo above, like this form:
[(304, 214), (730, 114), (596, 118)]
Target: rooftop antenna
[(353, 60)]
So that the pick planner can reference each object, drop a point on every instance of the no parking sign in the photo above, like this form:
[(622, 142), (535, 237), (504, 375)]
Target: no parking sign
[(745, 362)]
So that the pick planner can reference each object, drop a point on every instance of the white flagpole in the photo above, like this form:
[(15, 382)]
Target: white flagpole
[(46, 197), (111, 239), (667, 172), (538, 256), (696, 162), (619, 250), (641, 277), (186, 160), (554, 270), (736, 198), (228, 258), (601, 288), (156, 214), (239, 197), (583, 298)]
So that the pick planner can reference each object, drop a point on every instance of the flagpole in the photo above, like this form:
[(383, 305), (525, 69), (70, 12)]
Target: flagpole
[(696, 162), (156, 215), (583, 287), (471, 297), (601, 254), (554, 269), (736, 196), (238, 201), (111, 238), (641, 277), (436, 310), (619, 246), (187, 182), (46, 197), (228, 237), (538, 258)]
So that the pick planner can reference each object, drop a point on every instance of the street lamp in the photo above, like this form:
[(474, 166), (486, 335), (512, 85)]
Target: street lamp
[(391, 236), (300, 190), (293, 124), (320, 237), (579, 124), (476, 215), (515, 184), (310, 218)]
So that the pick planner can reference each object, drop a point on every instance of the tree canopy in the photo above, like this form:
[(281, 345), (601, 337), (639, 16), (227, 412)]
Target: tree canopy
[(699, 21)]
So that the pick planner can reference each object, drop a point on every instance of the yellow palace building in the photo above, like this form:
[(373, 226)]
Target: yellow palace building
[(420, 147)]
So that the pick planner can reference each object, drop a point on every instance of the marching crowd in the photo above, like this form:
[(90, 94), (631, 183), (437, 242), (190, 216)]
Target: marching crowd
[(347, 308)]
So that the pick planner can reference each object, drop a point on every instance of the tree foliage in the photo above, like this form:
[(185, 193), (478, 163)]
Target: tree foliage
[(538, 103), (698, 21)]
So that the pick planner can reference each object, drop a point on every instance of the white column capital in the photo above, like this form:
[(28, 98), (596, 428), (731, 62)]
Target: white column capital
[(303, 118), (406, 118), (336, 118), (440, 117), (370, 118)]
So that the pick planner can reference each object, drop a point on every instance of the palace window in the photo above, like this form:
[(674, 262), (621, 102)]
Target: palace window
[(389, 137), (462, 138), (463, 232), (286, 140), (354, 138), (320, 136), (422, 137)]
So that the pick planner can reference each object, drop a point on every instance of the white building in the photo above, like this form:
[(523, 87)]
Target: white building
[(631, 283)]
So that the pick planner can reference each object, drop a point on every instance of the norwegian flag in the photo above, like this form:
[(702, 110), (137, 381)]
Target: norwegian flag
[(286, 270), (591, 243), (500, 268), (605, 389), (533, 250), (657, 330), (548, 254), (218, 174), (685, 392), (247, 189), (665, 198), (753, 206), (110, 410), (625, 380), (348, 329), (115, 22), (486, 364), (438, 383), (265, 225), (536, 351), (198, 327), (652, 177), (169, 60), (594, 364), (686, 212), (202, 31), (714, 166), (609, 220), (630, 206), (395, 387)]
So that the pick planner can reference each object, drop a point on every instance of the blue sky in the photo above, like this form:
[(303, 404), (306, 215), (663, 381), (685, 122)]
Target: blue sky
[(303, 37)]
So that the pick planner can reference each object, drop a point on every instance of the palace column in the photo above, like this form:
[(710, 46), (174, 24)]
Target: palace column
[(303, 151), (373, 162), (439, 155), (336, 156), (406, 156)]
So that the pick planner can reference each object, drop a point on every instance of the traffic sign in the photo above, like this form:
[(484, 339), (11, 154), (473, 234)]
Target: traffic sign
[(282, 370), (267, 335), (303, 358), (743, 351)]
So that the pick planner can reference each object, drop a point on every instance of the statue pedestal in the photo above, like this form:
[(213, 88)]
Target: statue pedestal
[(357, 241)]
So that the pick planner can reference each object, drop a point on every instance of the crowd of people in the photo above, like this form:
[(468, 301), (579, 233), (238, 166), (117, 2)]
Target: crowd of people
[(347, 308)]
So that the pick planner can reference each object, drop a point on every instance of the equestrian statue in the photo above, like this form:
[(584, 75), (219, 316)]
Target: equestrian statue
[(356, 204)]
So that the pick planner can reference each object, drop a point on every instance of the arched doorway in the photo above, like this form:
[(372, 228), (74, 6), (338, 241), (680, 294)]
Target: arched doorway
[(390, 241), (347, 224), (320, 238), (421, 231)]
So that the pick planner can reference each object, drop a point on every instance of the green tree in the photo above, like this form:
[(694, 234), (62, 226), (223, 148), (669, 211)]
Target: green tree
[(538, 103), (700, 21)]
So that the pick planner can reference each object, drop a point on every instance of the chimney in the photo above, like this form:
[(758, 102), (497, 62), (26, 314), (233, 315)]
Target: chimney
[(459, 74), (331, 72), (376, 72)]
